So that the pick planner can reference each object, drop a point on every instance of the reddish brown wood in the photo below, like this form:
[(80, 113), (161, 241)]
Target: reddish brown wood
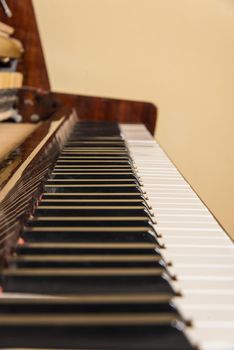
[(32, 64), (98, 108), (90, 108)]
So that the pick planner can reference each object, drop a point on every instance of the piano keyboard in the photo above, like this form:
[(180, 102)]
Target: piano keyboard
[(119, 253), (198, 253)]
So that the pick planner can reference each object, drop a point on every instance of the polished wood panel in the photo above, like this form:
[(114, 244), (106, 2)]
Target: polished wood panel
[(22, 173), (33, 63), (44, 104), (100, 108)]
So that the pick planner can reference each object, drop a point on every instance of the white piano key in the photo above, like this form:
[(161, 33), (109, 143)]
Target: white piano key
[(196, 272), (165, 172), (171, 193), (167, 192), (207, 284), (192, 249), (204, 285), (177, 205), (204, 300), (184, 225), (147, 162), (221, 345), (205, 306), (188, 217), (201, 254), (211, 338), (160, 187), (183, 201), (155, 192), (161, 176), (187, 230), (169, 241), (192, 234), (187, 260), (173, 210), (209, 248), (210, 316)]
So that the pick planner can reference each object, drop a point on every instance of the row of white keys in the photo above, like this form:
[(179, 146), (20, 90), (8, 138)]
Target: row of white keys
[(200, 253)]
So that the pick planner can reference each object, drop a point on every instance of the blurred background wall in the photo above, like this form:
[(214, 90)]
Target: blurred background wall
[(176, 54)]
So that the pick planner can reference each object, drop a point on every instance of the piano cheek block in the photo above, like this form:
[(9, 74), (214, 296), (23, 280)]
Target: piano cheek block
[(147, 337)]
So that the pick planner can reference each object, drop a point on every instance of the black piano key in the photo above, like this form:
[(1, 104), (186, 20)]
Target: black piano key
[(117, 305), (95, 144), (44, 211), (91, 203), (92, 144), (95, 196), (88, 167), (94, 305), (93, 176), (74, 264), (99, 156), (90, 223), (88, 127), (93, 162), (94, 134), (91, 131), (76, 249), (93, 189), (97, 182), (60, 234), (62, 334), (96, 152), (91, 170), (80, 281), (88, 261), (95, 147)]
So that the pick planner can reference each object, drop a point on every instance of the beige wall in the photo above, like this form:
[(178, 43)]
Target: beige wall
[(177, 54)]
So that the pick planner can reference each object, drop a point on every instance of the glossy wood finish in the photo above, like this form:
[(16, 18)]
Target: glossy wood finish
[(44, 104), (33, 63), (22, 173), (122, 111)]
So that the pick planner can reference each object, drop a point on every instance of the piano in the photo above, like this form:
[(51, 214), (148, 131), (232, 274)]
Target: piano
[(103, 243)]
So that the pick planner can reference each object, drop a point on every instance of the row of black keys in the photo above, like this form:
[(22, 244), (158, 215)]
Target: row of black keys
[(91, 241)]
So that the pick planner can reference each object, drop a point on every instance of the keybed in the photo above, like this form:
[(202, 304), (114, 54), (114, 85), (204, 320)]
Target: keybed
[(200, 253)]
